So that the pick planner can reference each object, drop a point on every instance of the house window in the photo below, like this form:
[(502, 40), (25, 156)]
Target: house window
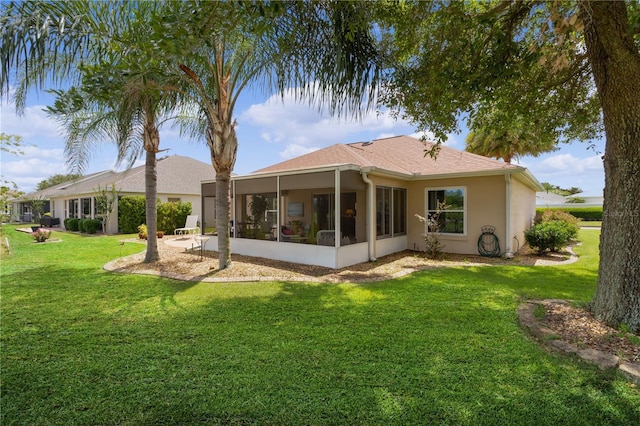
[(399, 211), (453, 208), (173, 200), (73, 208), (86, 208), (383, 211), (391, 211)]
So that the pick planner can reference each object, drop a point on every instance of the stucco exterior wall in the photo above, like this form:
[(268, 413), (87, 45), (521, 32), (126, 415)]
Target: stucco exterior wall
[(523, 211), (485, 199), (112, 226)]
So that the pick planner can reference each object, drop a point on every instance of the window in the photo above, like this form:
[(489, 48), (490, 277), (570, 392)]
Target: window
[(383, 211), (399, 211), (173, 200), (452, 217), (391, 209), (73, 208), (86, 208), (295, 209)]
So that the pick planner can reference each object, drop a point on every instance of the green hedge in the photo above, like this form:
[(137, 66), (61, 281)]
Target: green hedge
[(131, 213), (172, 215), (583, 213)]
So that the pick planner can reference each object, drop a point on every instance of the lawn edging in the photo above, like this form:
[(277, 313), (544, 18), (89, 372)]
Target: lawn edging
[(550, 340)]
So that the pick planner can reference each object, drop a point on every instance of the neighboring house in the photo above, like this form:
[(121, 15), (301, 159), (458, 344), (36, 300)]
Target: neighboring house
[(178, 179), (367, 194), (549, 199)]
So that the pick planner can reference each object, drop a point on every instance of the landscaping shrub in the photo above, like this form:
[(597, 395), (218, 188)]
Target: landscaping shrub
[(81, 225), (41, 235), (172, 215), (552, 235), (71, 224), (554, 214), (582, 213), (131, 213), (142, 232), (91, 226)]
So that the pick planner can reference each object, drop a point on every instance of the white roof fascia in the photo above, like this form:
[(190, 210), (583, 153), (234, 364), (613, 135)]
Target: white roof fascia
[(526, 175), (329, 168)]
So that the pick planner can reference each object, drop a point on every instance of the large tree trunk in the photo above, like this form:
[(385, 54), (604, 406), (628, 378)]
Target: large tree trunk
[(152, 141), (616, 70)]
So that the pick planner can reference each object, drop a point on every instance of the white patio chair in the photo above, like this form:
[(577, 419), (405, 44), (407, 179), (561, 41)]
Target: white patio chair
[(190, 226)]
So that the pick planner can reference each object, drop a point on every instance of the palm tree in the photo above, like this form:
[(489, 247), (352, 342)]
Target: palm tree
[(120, 97), (129, 109), (323, 49), (508, 143), (311, 46)]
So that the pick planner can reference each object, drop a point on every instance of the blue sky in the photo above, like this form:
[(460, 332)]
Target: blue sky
[(269, 131)]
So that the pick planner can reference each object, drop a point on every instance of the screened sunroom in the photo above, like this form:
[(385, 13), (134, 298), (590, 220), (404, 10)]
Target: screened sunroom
[(316, 216)]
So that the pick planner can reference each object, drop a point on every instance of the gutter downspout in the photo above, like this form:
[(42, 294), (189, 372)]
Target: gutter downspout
[(507, 253), (371, 218)]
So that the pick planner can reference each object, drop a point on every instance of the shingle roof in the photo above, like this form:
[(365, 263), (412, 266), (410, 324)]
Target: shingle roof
[(176, 175), (399, 154)]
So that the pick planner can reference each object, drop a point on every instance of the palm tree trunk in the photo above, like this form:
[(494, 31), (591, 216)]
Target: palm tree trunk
[(223, 181), (152, 141), (223, 143), (616, 70)]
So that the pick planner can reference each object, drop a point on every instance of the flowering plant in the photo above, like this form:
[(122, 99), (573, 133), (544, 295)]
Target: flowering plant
[(41, 235)]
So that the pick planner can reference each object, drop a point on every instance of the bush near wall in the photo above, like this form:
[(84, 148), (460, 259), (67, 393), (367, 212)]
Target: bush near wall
[(552, 235), (131, 211), (71, 224), (583, 213), (172, 215), (89, 226)]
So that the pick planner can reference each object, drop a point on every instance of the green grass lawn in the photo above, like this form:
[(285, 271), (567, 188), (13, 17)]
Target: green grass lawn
[(84, 346), (590, 223)]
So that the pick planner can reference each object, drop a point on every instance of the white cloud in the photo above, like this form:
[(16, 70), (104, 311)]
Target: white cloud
[(452, 139), (568, 164), (567, 170), (295, 150), (36, 165), (285, 121), (33, 126)]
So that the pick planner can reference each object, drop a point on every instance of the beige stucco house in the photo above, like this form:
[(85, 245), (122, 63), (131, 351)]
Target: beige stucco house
[(178, 179), (351, 203)]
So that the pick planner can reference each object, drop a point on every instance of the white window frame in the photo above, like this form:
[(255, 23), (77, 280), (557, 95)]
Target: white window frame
[(464, 209), (391, 231)]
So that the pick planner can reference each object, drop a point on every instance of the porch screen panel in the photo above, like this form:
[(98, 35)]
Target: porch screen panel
[(324, 212)]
